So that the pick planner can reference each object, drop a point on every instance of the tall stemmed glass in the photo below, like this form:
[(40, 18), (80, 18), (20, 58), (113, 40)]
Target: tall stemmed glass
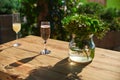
[(45, 34), (16, 26)]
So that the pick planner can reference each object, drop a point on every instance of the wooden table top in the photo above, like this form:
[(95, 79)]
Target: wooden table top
[(28, 64)]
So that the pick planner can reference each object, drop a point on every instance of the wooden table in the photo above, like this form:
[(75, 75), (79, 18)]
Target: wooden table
[(28, 64)]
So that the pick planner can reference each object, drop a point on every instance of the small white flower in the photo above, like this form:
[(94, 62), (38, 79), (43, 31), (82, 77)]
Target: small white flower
[(35, 5), (80, 25), (24, 19)]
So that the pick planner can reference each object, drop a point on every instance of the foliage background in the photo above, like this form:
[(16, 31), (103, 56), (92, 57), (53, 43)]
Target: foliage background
[(6, 6), (30, 10), (113, 4), (9, 6)]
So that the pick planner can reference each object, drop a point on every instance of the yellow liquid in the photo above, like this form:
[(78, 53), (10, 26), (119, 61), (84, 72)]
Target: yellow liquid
[(16, 27)]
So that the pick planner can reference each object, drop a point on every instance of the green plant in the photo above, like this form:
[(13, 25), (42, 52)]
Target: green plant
[(115, 24), (107, 19), (56, 14), (91, 8), (76, 6), (6, 6), (16, 6), (29, 10), (83, 19), (111, 17), (84, 25), (9, 6)]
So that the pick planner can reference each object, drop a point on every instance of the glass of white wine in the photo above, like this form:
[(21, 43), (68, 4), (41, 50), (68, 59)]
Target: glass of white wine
[(45, 34), (16, 26)]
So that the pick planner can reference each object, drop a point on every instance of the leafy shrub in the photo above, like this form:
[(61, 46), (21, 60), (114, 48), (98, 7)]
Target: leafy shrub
[(6, 6), (111, 17), (83, 25)]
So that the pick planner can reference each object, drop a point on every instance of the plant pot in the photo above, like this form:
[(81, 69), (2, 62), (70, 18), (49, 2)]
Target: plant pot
[(81, 50)]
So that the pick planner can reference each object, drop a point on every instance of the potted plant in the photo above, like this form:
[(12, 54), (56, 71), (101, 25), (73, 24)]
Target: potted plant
[(83, 27)]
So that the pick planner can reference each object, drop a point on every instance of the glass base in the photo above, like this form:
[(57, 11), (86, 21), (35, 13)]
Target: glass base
[(80, 59), (45, 51), (16, 44)]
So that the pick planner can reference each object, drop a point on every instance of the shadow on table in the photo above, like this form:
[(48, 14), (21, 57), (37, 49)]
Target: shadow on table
[(5, 48), (20, 62), (6, 76), (63, 70)]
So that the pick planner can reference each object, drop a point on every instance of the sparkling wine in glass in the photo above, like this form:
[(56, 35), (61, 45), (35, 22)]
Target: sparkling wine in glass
[(45, 34), (16, 27)]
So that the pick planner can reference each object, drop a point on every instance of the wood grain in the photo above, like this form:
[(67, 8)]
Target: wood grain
[(28, 64)]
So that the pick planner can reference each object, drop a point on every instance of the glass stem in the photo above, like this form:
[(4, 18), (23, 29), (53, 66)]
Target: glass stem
[(45, 44), (16, 36)]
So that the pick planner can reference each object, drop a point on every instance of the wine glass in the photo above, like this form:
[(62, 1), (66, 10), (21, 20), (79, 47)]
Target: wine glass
[(16, 26), (45, 34)]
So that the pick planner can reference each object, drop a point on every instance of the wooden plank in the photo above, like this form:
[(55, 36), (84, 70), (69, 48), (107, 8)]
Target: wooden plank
[(29, 50), (105, 66), (28, 64)]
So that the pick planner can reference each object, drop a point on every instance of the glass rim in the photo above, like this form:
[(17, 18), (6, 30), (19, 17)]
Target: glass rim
[(45, 22), (16, 18)]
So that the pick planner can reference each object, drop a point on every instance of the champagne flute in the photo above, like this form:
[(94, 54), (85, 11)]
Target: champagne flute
[(16, 26), (45, 34)]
